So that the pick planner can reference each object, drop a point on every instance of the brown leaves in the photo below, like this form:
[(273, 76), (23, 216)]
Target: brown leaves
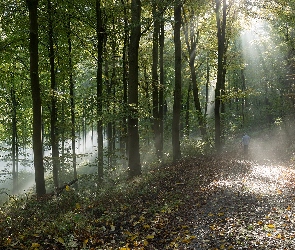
[(199, 203)]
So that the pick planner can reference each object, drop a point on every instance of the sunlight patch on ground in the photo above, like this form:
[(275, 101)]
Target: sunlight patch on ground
[(264, 180), (267, 171)]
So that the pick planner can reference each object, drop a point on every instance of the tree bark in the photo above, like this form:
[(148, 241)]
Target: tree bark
[(219, 90), (14, 142), (155, 81), (177, 88), (37, 106), (53, 121), (191, 39), (123, 139), (161, 90), (100, 38), (72, 97), (134, 164)]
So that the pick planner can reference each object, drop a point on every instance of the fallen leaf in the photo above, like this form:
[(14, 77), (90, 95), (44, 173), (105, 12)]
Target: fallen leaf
[(35, 245)]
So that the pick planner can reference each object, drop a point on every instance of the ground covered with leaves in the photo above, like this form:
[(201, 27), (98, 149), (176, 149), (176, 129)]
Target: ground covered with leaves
[(204, 202)]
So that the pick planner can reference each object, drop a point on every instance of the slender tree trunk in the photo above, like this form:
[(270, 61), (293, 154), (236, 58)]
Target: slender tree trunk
[(177, 88), (100, 38), (109, 127), (134, 164), (53, 121), (219, 90), (36, 96), (161, 90), (72, 98), (123, 139), (14, 143), (207, 84), (191, 39), (187, 110), (155, 81), (112, 93)]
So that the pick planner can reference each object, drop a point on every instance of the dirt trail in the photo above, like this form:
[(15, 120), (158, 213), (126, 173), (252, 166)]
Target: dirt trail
[(250, 206)]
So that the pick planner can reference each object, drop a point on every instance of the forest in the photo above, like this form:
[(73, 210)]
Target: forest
[(108, 105)]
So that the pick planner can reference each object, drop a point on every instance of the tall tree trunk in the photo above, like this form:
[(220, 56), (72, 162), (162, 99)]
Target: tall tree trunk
[(100, 38), (191, 39), (134, 164), (72, 97), (108, 84), (177, 88), (14, 143), (37, 106), (53, 121), (207, 84), (161, 90), (155, 81), (219, 90), (123, 139), (187, 110)]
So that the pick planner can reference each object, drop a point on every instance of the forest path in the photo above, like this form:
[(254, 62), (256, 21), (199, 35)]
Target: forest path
[(250, 205)]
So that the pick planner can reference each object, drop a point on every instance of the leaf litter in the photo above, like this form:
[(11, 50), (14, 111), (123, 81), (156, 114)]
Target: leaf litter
[(204, 202)]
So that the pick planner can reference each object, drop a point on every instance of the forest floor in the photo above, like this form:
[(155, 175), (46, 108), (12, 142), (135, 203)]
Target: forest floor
[(204, 202)]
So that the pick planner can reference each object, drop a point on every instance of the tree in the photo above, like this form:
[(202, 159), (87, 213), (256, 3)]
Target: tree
[(14, 143), (220, 87), (100, 38), (35, 90), (161, 89), (72, 97), (134, 164), (53, 121), (177, 87), (124, 139), (155, 81), (191, 40)]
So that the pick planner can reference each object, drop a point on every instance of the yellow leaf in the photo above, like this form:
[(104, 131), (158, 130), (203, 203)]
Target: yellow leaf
[(146, 226), (186, 241), (60, 240), (127, 233), (260, 223), (150, 236), (288, 208), (210, 214), (220, 214), (222, 247), (125, 248), (145, 243), (85, 241), (279, 236), (271, 226), (8, 241), (78, 206), (68, 188), (133, 237), (34, 245)]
